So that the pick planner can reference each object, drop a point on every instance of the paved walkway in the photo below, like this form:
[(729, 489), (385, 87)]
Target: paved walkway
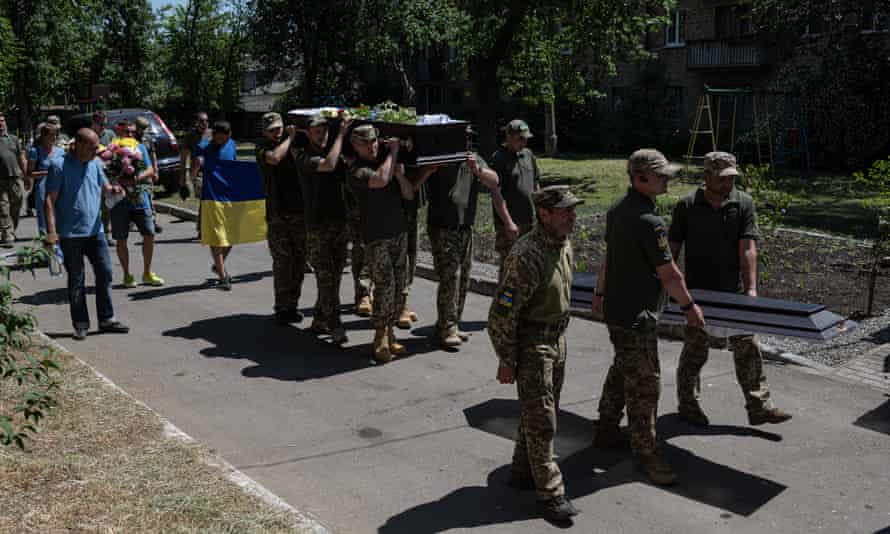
[(422, 445)]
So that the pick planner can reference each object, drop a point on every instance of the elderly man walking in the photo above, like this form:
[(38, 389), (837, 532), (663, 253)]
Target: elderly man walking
[(12, 167), (74, 187)]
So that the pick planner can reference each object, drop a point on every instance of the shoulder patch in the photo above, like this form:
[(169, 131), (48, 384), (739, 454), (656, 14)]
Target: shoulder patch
[(661, 236), (505, 298)]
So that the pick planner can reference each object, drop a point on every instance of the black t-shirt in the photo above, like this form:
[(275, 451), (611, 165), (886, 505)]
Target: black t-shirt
[(382, 210), (711, 238), (322, 191), (282, 185), (519, 175), (452, 193)]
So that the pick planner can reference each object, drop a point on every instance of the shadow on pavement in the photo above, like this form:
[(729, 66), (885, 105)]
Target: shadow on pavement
[(57, 295), (586, 471), (877, 420), (209, 283), (174, 241), (285, 353)]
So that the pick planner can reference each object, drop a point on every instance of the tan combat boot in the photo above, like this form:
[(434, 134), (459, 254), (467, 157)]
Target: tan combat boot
[(450, 337), (363, 307), (396, 348), (382, 353), (405, 317)]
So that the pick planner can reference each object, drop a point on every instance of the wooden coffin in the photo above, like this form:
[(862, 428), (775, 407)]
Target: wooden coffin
[(743, 313)]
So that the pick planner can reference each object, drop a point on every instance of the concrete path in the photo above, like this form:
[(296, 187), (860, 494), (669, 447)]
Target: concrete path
[(422, 445)]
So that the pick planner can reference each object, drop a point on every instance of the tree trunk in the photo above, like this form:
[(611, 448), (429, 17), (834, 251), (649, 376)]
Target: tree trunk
[(487, 88)]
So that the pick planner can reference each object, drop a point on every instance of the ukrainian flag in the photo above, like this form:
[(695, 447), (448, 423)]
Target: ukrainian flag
[(233, 206)]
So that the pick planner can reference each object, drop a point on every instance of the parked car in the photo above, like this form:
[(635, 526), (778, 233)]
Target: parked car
[(165, 142)]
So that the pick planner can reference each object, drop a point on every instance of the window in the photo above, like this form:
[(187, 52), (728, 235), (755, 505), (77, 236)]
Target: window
[(732, 22), (675, 33)]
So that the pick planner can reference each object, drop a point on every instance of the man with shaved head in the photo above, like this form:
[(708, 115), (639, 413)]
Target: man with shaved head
[(74, 188)]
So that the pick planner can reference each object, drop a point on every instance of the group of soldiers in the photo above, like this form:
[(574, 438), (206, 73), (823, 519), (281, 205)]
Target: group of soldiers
[(715, 226), (359, 199)]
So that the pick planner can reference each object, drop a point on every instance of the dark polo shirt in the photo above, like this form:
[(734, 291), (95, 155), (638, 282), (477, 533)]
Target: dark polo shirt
[(711, 238), (636, 244), (518, 174)]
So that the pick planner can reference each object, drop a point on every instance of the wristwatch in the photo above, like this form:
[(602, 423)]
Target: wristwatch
[(687, 307)]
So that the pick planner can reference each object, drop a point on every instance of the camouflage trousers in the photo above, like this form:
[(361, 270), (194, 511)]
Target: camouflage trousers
[(361, 277), (287, 244), (452, 257), (503, 244), (634, 380), (11, 197), (748, 369), (540, 372), (327, 254), (386, 261), (411, 254)]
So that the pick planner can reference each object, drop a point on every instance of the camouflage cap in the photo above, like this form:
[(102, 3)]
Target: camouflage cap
[(141, 122), (649, 159), (272, 120), (317, 120), (555, 196), (721, 164), (54, 119), (518, 126), (365, 131)]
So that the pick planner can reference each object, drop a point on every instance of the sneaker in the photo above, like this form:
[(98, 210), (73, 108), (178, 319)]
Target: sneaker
[(657, 470), (693, 415), (130, 281), (113, 327), (152, 280), (772, 416), (226, 283), (338, 335), (608, 436), (558, 509), (80, 334), (158, 228)]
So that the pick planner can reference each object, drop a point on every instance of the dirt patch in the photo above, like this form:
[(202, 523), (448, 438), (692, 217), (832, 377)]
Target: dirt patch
[(101, 463)]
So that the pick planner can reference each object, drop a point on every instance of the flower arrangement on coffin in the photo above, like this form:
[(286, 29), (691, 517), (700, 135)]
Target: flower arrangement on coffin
[(123, 164)]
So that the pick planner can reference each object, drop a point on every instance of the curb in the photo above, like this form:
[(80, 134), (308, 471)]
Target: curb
[(232, 473), (487, 286)]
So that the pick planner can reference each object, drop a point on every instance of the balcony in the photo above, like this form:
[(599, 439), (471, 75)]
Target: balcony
[(723, 54)]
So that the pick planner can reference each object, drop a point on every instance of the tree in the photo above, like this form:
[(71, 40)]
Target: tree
[(126, 59), (9, 55)]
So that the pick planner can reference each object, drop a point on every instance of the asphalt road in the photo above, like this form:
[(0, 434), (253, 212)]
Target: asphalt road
[(423, 444)]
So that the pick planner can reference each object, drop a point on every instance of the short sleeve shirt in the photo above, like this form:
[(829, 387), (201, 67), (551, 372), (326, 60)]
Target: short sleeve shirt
[(382, 213), (41, 158), (636, 244), (711, 238), (281, 182), (10, 149), (80, 195), (106, 137), (323, 199), (452, 194), (518, 175)]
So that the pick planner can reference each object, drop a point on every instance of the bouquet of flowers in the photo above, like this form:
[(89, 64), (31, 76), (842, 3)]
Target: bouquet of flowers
[(123, 164)]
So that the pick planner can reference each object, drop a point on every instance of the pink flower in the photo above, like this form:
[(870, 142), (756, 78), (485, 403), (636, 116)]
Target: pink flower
[(106, 155), (129, 169), (137, 155), (125, 161), (113, 147)]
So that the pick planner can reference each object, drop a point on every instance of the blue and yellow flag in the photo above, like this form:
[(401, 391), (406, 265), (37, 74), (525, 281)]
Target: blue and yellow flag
[(233, 206)]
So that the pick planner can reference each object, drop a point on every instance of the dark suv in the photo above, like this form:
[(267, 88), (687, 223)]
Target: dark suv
[(165, 142)]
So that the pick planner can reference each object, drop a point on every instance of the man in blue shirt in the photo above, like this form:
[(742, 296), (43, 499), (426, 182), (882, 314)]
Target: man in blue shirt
[(136, 208), (74, 187), (219, 147)]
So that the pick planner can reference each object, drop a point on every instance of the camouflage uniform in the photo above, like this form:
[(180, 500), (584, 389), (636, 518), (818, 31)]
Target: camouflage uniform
[(411, 251), (286, 232), (327, 254), (452, 250), (386, 260), (526, 324), (11, 189)]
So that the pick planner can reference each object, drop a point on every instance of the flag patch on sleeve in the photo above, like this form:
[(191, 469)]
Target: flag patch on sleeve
[(505, 298)]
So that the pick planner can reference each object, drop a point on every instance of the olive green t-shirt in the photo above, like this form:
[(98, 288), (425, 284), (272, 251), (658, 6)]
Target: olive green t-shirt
[(382, 210), (10, 150), (636, 244), (711, 238), (323, 199), (518, 175)]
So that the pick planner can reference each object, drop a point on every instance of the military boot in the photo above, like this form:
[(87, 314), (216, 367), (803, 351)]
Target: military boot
[(396, 348), (464, 336), (405, 317), (382, 353), (557, 509), (657, 470), (449, 338), (363, 307), (609, 436), (772, 416), (693, 414), (319, 328)]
